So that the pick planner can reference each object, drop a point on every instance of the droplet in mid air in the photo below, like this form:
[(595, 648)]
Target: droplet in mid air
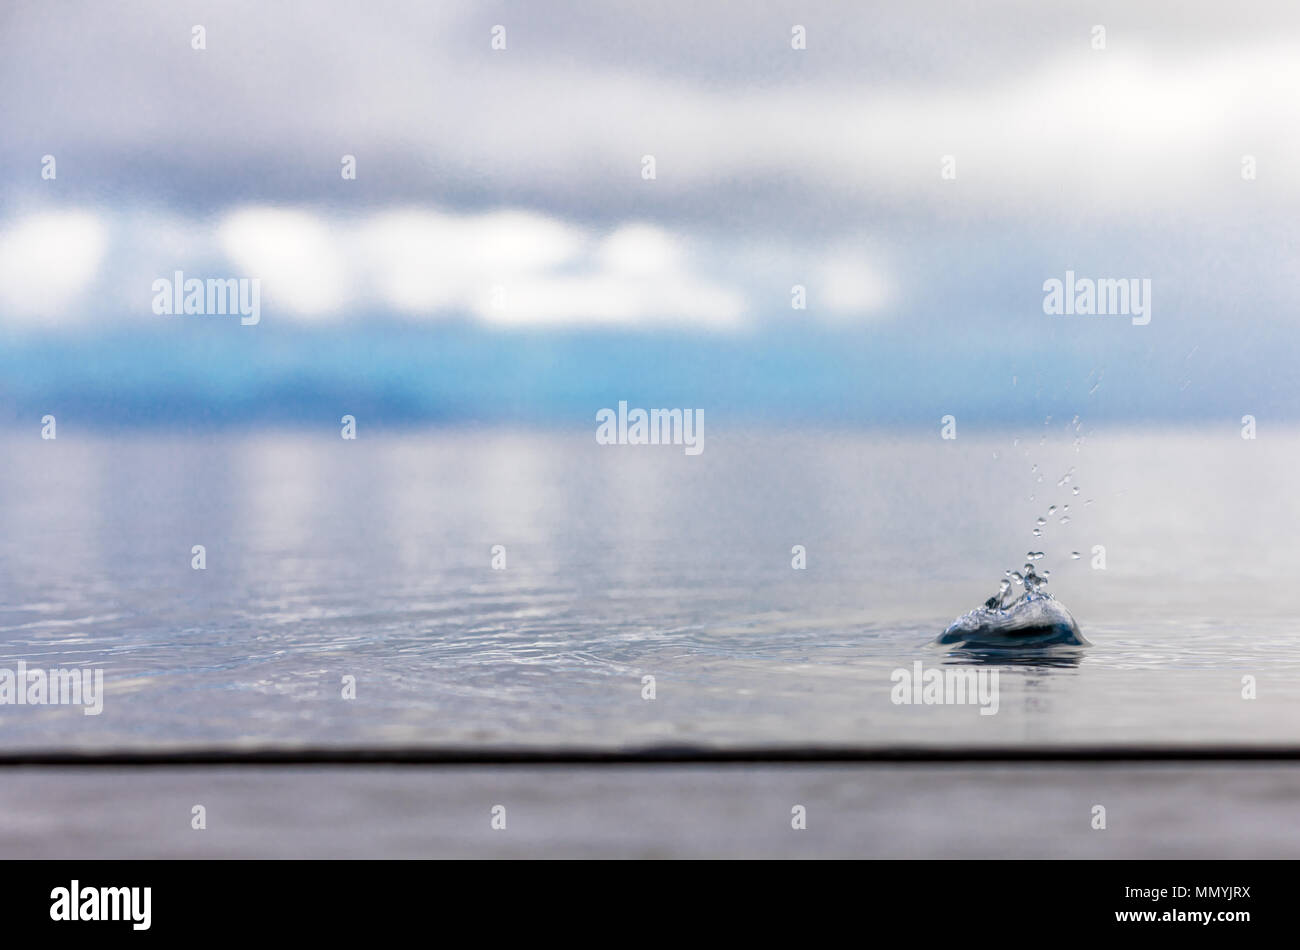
[(996, 601)]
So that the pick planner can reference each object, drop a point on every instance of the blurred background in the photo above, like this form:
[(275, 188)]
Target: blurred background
[(499, 255)]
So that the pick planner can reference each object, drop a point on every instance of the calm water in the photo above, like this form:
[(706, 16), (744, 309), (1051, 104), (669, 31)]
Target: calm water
[(372, 559)]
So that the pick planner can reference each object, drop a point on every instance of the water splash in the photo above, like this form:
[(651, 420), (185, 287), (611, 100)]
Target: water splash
[(1021, 613), (1032, 619), (1033, 624)]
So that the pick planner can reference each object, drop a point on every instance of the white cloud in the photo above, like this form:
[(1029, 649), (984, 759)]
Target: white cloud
[(294, 253), (614, 299), (419, 260), (504, 267), (48, 261), (640, 249)]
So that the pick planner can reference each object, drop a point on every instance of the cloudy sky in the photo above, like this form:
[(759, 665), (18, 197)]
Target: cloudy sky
[(500, 221)]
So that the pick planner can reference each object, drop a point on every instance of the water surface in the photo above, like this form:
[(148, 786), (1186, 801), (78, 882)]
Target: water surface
[(372, 559)]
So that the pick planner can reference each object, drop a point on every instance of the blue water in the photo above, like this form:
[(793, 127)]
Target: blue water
[(372, 559)]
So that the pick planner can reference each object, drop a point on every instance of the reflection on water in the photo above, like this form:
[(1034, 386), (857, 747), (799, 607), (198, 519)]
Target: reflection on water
[(371, 559), (1061, 659)]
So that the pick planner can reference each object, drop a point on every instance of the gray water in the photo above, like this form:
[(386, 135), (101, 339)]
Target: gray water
[(328, 558)]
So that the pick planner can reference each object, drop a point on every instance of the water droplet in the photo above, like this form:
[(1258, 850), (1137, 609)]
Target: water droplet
[(1051, 509), (1075, 490), (1034, 555), (995, 602), (1040, 522), (1038, 533), (1065, 519), (1076, 555), (1033, 581)]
